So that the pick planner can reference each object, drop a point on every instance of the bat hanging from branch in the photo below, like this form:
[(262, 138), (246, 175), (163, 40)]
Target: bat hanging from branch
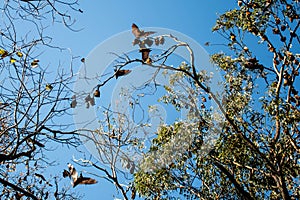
[(145, 55), (121, 72)]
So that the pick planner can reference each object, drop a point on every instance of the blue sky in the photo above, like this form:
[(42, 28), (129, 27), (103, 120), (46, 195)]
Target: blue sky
[(102, 19)]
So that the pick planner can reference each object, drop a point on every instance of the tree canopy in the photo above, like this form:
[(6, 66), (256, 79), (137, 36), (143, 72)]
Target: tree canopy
[(32, 99), (257, 153)]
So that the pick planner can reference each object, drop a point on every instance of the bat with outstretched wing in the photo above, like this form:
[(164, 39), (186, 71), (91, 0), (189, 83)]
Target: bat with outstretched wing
[(140, 33), (77, 180)]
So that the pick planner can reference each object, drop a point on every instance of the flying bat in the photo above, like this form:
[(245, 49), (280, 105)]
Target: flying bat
[(140, 33), (77, 180), (121, 72), (145, 53)]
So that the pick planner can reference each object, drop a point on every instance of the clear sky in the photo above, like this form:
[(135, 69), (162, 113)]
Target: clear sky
[(103, 19)]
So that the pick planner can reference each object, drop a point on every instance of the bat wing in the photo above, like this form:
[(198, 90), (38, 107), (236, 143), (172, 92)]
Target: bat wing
[(146, 34), (84, 180), (126, 71), (88, 181), (135, 30), (122, 72)]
